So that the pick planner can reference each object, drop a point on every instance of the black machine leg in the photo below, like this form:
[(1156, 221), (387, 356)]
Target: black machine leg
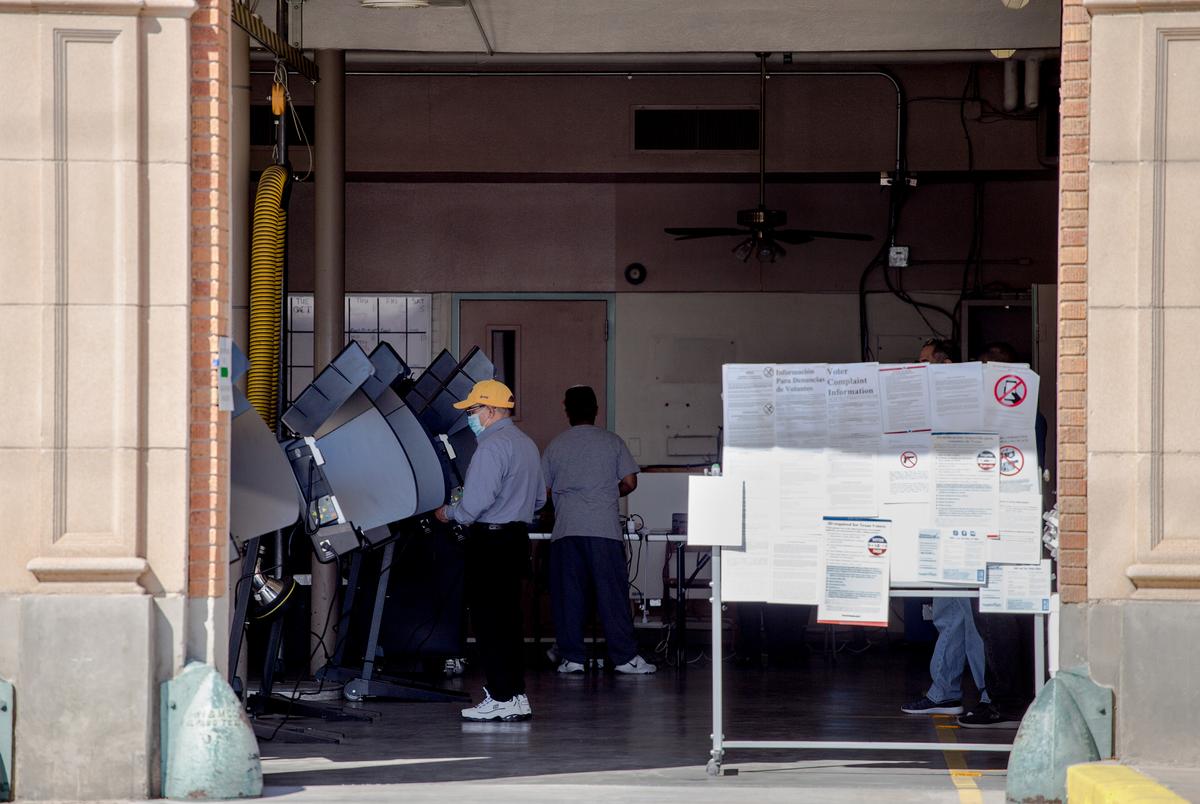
[(680, 609), (367, 685), (265, 701), (335, 670), (538, 558), (241, 608)]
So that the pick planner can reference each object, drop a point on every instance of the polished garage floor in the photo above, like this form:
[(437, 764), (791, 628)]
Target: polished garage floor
[(647, 739)]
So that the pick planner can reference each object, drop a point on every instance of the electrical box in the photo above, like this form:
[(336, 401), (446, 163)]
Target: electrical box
[(898, 257)]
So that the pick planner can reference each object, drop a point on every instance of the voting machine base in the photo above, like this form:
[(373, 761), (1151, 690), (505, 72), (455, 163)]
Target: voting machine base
[(264, 701), (364, 680), (720, 745)]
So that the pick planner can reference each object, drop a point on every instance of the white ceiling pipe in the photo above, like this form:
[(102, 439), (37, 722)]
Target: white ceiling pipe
[(634, 60), (1033, 71), (1010, 85)]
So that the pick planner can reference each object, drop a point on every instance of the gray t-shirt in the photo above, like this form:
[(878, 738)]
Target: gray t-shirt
[(583, 467)]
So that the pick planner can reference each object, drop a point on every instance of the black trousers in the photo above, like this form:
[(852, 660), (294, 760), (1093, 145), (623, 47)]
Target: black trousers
[(496, 562), (580, 565)]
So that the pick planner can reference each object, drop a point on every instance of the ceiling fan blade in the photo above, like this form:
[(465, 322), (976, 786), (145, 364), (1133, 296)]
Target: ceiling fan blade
[(692, 233), (796, 236), (792, 237)]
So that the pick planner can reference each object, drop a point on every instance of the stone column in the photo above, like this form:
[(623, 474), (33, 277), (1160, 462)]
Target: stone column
[(94, 440), (239, 230), (330, 277), (1141, 622)]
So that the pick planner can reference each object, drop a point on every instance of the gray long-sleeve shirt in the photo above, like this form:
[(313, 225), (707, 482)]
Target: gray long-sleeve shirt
[(504, 481)]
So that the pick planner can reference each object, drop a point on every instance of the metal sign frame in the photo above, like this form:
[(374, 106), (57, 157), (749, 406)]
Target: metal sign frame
[(720, 744)]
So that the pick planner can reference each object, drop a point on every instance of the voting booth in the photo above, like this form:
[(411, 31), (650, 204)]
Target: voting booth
[(844, 485)]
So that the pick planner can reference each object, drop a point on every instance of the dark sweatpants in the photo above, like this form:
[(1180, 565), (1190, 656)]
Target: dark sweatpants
[(580, 565), (496, 561)]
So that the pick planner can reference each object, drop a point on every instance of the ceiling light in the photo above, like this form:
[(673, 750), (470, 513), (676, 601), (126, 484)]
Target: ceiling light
[(1003, 53), (1015, 5)]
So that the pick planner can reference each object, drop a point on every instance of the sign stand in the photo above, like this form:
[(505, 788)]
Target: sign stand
[(720, 744)]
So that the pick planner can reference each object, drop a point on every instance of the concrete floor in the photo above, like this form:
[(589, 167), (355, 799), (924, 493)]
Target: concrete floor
[(647, 739)]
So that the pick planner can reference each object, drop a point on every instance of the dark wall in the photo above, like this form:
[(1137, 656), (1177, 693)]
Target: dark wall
[(531, 184)]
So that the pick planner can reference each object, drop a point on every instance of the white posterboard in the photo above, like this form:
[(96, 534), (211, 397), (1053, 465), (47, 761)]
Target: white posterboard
[(716, 511)]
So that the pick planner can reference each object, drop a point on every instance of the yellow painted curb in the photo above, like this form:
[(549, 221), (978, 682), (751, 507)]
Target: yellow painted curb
[(1110, 783)]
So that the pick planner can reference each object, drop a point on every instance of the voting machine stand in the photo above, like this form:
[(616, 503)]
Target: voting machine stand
[(367, 683), (720, 744)]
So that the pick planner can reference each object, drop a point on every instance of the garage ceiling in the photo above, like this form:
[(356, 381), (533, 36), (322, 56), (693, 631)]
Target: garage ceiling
[(704, 28)]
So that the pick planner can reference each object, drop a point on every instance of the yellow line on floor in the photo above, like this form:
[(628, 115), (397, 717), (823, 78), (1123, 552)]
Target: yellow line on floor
[(956, 761)]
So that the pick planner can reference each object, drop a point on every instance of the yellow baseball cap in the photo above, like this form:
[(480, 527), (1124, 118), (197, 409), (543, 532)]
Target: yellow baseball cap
[(492, 393)]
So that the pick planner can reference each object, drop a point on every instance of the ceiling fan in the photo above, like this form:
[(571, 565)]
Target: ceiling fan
[(761, 227)]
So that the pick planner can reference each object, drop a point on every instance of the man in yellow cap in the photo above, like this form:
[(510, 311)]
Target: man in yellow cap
[(502, 490)]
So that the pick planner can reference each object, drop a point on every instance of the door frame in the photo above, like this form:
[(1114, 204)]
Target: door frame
[(610, 345)]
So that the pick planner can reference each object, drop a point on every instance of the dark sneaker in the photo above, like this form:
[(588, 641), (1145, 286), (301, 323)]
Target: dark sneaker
[(984, 716), (927, 707)]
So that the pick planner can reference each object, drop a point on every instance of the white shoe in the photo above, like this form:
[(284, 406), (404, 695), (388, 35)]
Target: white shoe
[(636, 666), (454, 667), (491, 709), (523, 705), (569, 666)]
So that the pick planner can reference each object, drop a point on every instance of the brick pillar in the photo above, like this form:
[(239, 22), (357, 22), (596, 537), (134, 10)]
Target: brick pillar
[(208, 521), (1072, 303)]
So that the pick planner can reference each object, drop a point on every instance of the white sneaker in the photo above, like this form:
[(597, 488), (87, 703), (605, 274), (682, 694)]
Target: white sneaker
[(454, 667), (491, 709), (569, 666), (636, 666), (523, 705)]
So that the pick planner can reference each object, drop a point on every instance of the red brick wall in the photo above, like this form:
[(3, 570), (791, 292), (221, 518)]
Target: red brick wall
[(1072, 304), (209, 428)]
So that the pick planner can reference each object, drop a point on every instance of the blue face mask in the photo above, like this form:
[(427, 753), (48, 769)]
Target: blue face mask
[(474, 423)]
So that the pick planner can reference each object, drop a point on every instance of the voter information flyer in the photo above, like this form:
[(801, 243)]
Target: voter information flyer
[(906, 468), (1016, 589), (957, 392), (1019, 540), (854, 569), (953, 556), (748, 392), (966, 491), (904, 398), (1010, 396)]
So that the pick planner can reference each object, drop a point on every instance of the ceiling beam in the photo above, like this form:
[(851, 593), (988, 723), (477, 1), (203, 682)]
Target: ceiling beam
[(253, 24)]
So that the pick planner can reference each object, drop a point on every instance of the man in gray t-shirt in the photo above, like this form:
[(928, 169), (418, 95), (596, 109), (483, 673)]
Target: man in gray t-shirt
[(587, 470)]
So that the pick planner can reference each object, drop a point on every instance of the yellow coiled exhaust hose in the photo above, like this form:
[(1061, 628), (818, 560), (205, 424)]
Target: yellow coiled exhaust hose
[(268, 240)]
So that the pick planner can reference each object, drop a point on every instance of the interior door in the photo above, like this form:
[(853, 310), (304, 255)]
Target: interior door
[(540, 348)]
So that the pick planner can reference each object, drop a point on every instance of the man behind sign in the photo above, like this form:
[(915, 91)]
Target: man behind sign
[(958, 641)]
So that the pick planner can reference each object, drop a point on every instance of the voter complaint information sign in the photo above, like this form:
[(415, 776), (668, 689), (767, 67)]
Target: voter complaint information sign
[(858, 477)]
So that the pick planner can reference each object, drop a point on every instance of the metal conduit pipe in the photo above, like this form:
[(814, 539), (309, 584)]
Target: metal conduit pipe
[(702, 60)]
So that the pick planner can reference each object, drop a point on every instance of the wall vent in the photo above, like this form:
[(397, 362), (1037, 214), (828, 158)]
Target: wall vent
[(695, 129)]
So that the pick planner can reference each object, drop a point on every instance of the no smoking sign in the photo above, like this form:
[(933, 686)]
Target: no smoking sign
[(908, 459)]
